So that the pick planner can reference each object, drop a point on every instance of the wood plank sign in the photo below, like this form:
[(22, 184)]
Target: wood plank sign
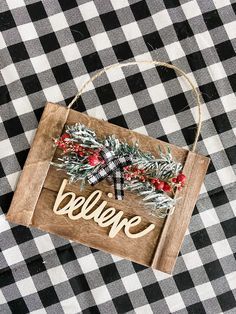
[(108, 187)]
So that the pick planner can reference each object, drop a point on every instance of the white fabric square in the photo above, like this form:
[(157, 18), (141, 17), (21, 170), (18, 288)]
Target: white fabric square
[(40, 63), (6, 149), (30, 135), (26, 286), (13, 4), (57, 275), (53, 94), (2, 298), (71, 306), (230, 29), (192, 260), (44, 243), (205, 291), (13, 179), (10, 74), (191, 9), (101, 294), (131, 283), (27, 31), (226, 175), (97, 112), (209, 217), (79, 81), (213, 144), (58, 22), (175, 51), (131, 31), (157, 93), (141, 130), (101, 41), (175, 302), (13, 255), (204, 40), (116, 75), (4, 225), (221, 3), (222, 248), (162, 19), (127, 104), (71, 52), (2, 42), (217, 71), (22, 105), (184, 84), (144, 56), (231, 278), (144, 309), (228, 102), (88, 10), (87, 263), (170, 124), (40, 311), (119, 4)]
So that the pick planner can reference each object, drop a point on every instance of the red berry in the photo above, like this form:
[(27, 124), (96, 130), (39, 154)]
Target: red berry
[(153, 181), (64, 136), (93, 160), (181, 178), (174, 180), (166, 187), (159, 185)]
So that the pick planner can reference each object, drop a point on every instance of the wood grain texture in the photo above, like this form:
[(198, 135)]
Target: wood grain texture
[(39, 184), (37, 164)]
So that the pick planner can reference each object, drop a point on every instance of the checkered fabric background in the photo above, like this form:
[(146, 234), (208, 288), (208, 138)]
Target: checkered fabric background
[(48, 49)]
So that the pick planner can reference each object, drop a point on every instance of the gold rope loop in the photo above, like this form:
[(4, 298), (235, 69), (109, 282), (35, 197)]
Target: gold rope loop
[(156, 63)]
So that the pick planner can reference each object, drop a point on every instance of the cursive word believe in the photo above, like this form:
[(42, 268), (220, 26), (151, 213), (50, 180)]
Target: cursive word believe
[(90, 209)]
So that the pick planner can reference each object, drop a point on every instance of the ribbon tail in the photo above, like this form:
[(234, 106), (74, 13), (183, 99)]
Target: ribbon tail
[(118, 178)]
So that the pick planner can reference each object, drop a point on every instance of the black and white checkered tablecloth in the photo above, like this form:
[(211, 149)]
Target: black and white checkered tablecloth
[(48, 49)]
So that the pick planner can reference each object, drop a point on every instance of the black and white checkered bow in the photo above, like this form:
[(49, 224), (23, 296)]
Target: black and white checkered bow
[(113, 167)]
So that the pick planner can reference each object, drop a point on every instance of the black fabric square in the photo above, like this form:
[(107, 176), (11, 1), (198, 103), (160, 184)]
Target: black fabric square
[(196, 61), (219, 198), (110, 20), (18, 306), (5, 201), (200, 238), (120, 120), (140, 10), (21, 234), (123, 51), (189, 134), (153, 292), (209, 92), (232, 80), (211, 168), (136, 83), (66, 254), (13, 127), (5, 96), (31, 84), (38, 113), (78, 105), (138, 267), (214, 270), (92, 310), (122, 304), (68, 4), (163, 138), (6, 277), (2, 172), (171, 3), (183, 30), (79, 31), (231, 153), (35, 265), (212, 19), (109, 273), (225, 50), (21, 157), (148, 114), (49, 42), (183, 281), (36, 11), (105, 93), (196, 308), (229, 227), (222, 123), (166, 74), (79, 284), (227, 301), (7, 21), (92, 62), (153, 41), (62, 73), (18, 52), (48, 296), (179, 103)]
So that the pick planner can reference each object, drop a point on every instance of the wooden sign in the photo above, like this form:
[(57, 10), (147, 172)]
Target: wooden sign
[(134, 234)]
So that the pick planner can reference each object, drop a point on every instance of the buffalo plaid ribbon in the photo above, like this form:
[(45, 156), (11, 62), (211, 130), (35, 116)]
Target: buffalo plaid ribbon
[(113, 167)]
